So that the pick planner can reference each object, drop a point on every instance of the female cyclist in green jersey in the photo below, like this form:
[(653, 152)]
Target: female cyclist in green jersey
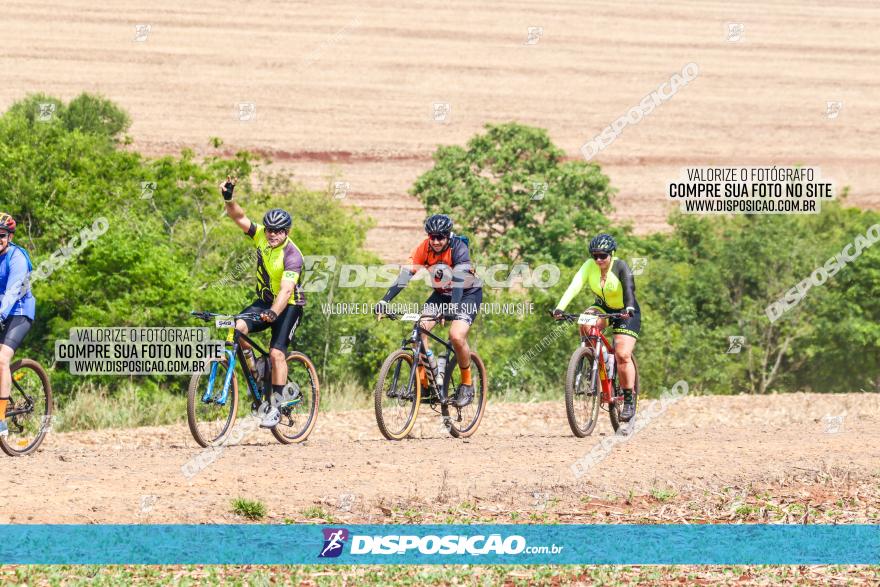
[(611, 281)]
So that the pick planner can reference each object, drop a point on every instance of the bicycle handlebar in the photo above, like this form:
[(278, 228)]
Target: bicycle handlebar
[(393, 316), (207, 316), (575, 317)]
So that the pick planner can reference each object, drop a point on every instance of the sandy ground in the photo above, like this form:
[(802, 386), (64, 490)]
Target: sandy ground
[(345, 91), (519, 459)]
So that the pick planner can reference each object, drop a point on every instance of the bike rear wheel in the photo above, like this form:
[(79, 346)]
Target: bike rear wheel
[(616, 407), (397, 396), (29, 412), (582, 392), (463, 422), (298, 419), (211, 422)]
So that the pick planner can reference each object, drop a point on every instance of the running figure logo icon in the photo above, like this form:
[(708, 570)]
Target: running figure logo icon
[(334, 540)]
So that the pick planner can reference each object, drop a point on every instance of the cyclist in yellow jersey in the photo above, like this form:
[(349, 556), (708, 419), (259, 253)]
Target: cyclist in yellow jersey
[(611, 281), (280, 297)]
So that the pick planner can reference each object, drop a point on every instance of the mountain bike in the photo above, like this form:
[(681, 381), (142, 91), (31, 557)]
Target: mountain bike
[(589, 385), (29, 411), (213, 400), (399, 392)]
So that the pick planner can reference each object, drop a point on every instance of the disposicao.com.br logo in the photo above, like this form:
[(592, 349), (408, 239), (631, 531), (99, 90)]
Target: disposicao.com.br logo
[(457, 544)]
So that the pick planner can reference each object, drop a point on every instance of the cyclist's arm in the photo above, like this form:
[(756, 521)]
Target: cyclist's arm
[(403, 278), (624, 274), (462, 272), (236, 212), (577, 284), (417, 259), (16, 283), (283, 297), (293, 266)]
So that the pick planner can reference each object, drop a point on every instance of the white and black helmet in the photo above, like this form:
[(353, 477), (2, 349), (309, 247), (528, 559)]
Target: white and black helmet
[(438, 224), (603, 243), (277, 219)]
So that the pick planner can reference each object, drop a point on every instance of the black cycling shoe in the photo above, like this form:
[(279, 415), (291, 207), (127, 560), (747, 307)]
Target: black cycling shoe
[(629, 406), (464, 395)]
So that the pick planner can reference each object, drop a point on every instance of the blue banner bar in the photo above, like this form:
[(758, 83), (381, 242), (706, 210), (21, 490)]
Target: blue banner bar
[(441, 544)]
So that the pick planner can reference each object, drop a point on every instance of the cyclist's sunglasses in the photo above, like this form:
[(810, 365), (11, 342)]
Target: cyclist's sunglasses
[(438, 237), (4, 235), (600, 256), (276, 230)]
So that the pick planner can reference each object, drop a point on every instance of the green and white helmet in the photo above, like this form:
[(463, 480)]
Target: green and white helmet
[(603, 243)]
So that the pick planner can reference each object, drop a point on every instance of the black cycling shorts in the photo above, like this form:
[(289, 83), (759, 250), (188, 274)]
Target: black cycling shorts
[(14, 331), (467, 310), (632, 326), (283, 328)]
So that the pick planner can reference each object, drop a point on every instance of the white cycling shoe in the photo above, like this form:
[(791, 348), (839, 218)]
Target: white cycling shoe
[(269, 413)]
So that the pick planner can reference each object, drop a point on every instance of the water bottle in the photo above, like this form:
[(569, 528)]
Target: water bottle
[(609, 365), (441, 369), (261, 364), (249, 359), (432, 363)]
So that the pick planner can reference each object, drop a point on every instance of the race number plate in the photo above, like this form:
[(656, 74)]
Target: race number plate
[(225, 323), (587, 319), (411, 317)]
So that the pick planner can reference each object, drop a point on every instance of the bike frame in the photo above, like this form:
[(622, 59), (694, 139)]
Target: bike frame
[(29, 404), (234, 354), (417, 345), (601, 346)]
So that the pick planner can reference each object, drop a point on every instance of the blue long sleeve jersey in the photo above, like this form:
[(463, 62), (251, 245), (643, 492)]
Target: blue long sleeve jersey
[(15, 269)]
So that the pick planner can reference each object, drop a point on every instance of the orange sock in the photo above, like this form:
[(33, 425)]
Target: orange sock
[(423, 376), (466, 376), (3, 403)]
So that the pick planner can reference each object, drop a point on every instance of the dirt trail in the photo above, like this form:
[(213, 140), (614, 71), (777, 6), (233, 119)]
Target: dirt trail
[(345, 78), (520, 451)]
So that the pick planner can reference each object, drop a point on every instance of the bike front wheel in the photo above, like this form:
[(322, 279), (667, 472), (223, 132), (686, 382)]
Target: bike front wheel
[(582, 392), (29, 411), (397, 396), (298, 417), (209, 414), (463, 422)]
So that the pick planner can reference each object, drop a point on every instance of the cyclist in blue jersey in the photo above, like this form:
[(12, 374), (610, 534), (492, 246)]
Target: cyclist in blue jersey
[(17, 307)]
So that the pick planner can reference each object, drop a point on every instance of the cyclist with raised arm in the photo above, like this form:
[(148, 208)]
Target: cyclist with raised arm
[(611, 281), (280, 296), (441, 252), (17, 308)]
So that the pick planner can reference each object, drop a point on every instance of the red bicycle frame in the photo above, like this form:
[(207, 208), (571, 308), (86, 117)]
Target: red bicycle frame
[(602, 347)]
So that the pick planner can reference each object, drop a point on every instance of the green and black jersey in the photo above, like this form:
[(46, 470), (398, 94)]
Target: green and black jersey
[(284, 262)]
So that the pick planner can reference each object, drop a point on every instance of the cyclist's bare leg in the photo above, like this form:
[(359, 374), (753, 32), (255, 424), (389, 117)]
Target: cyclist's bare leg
[(242, 327), (623, 348), (6, 353), (427, 325), (458, 332), (279, 366)]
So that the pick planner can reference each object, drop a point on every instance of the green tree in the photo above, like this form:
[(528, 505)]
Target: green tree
[(495, 190)]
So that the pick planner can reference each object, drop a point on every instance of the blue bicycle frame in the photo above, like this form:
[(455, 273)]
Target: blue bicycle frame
[(233, 356)]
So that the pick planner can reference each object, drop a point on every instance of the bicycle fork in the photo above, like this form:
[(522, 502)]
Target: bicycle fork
[(227, 381)]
